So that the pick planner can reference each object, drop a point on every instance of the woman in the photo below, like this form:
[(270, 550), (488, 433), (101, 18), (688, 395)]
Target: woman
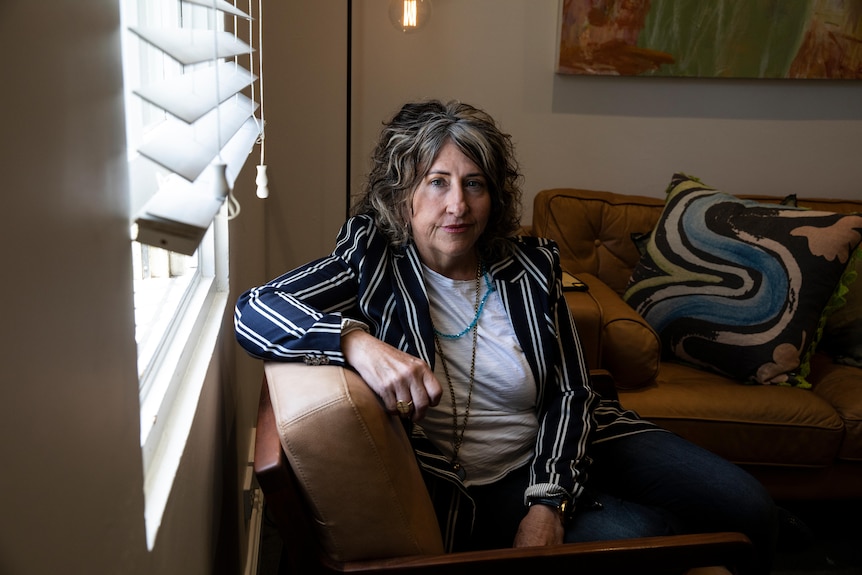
[(462, 329)]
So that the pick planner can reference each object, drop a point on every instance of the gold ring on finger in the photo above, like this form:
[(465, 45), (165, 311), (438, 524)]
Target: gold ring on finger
[(404, 407)]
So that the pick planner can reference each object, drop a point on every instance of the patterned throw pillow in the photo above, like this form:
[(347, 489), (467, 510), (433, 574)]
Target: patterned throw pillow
[(737, 286), (642, 239)]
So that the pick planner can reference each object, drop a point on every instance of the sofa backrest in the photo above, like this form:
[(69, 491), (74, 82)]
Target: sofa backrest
[(594, 228)]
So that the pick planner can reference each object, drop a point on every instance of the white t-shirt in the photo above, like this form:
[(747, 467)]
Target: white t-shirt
[(502, 424)]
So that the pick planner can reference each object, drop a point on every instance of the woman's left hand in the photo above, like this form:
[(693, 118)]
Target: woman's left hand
[(541, 526)]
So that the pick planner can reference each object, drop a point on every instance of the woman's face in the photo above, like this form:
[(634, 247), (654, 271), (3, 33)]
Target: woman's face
[(450, 210)]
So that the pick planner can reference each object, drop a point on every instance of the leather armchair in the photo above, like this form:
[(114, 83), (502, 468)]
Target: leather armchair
[(342, 484)]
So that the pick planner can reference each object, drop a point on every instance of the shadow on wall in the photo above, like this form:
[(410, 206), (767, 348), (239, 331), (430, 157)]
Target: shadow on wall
[(714, 98)]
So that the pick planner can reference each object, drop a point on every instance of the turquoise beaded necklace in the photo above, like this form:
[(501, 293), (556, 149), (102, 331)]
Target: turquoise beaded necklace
[(489, 290)]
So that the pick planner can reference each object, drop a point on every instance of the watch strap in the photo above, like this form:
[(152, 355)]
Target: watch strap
[(560, 503)]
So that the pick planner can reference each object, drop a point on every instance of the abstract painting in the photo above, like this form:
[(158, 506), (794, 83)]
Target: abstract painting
[(712, 38)]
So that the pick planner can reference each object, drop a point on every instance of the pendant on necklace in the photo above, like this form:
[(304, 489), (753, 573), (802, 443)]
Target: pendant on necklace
[(459, 471)]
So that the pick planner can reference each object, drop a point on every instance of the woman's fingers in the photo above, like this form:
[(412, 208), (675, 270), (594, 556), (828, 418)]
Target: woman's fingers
[(425, 391), (404, 383)]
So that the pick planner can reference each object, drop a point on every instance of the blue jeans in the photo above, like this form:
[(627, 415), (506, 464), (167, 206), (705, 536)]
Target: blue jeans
[(648, 484)]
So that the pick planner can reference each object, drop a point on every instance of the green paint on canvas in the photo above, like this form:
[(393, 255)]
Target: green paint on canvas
[(726, 38)]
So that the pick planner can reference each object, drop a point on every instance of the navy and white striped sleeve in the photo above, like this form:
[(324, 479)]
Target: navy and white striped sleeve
[(297, 316), (566, 417)]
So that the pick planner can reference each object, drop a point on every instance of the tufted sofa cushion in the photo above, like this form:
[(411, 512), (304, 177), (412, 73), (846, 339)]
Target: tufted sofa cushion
[(840, 385), (349, 457), (754, 425), (593, 230)]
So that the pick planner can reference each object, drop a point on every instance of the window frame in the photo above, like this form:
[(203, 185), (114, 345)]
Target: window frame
[(172, 375)]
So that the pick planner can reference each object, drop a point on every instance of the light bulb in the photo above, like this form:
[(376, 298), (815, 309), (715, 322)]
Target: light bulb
[(409, 15)]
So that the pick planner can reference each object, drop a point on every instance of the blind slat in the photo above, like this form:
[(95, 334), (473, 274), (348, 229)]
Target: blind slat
[(223, 6), (193, 46), (186, 149), (190, 96), (236, 151), (177, 216)]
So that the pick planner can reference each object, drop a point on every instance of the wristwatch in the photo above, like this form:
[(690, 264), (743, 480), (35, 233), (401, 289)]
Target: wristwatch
[(561, 503)]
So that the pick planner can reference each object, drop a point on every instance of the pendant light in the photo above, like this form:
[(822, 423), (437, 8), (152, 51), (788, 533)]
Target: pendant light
[(409, 15)]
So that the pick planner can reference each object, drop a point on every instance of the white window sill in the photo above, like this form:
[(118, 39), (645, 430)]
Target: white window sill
[(163, 451)]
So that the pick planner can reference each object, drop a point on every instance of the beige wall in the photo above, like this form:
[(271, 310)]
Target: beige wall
[(305, 111), (71, 485), (621, 134)]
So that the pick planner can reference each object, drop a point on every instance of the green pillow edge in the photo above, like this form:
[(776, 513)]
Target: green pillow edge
[(837, 300)]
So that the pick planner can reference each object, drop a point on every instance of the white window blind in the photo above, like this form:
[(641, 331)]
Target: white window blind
[(190, 107), (209, 125)]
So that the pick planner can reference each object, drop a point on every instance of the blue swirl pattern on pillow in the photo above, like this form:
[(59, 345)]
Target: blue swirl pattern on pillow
[(738, 286)]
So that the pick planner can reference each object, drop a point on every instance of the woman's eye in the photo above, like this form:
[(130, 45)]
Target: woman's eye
[(437, 182)]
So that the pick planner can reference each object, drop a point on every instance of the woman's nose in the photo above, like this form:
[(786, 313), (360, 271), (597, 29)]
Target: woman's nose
[(456, 201)]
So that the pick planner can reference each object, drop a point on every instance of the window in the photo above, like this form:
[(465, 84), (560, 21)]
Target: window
[(163, 281), (185, 117)]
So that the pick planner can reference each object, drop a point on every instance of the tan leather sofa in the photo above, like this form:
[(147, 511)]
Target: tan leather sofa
[(801, 443)]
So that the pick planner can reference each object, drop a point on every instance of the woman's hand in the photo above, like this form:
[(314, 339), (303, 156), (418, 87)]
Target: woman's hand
[(541, 526), (391, 373)]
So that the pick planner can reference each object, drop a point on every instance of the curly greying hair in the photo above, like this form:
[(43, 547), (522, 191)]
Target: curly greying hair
[(408, 144)]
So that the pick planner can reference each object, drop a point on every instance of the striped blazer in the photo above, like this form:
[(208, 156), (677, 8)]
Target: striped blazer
[(297, 317)]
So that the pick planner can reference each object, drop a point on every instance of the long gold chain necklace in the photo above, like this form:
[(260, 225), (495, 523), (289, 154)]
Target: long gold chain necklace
[(458, 434)]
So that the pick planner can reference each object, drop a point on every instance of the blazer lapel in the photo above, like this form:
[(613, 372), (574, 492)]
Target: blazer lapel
[(412, 302), (525, 309)]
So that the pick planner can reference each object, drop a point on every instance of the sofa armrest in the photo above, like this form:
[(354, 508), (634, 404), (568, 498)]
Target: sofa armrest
[(587, 315), (617, 338)]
